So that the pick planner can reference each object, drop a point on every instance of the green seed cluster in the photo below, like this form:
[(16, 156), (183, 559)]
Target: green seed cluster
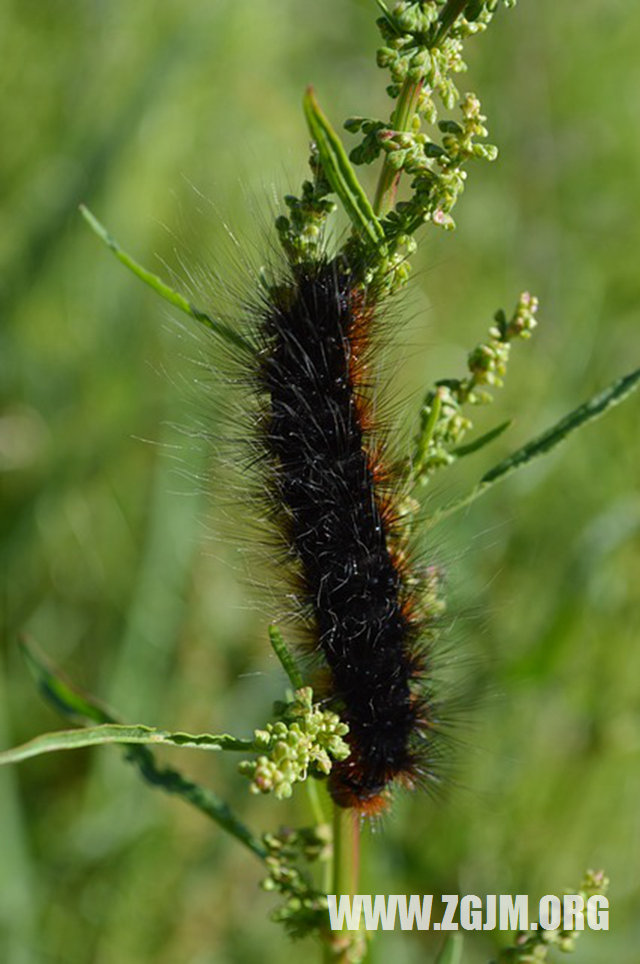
[(534, 947), (422, 47), (305, 908), (300, 232), (443, 423), (304, 739), (438, 170), (423, 41)]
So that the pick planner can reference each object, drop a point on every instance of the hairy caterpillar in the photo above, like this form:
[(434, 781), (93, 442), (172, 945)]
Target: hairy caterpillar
[(335, 503)]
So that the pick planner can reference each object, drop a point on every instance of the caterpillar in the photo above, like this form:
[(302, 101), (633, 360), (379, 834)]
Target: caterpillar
[(334, 500)]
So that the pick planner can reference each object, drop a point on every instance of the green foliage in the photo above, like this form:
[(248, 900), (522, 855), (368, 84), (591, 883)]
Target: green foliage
[(164, 290), (119, 733), (81, 707), (303, 741), (544, 443)]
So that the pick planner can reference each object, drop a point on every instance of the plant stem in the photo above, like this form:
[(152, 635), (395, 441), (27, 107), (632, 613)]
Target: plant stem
[(340, 948), (400, 121), (314, 801), (449, 15), (346, 839)]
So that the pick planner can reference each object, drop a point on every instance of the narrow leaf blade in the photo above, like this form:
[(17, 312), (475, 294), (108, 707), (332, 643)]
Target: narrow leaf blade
[(287, 661), (164, 290), (66, 698), (588, 412), (119, 733), (340, 173), (482, 440), (80, 707)]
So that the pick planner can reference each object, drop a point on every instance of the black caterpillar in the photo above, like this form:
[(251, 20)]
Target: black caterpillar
[(336, 505)]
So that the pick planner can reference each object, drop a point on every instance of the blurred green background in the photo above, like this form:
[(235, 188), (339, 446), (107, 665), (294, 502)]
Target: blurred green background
[(117, 556)]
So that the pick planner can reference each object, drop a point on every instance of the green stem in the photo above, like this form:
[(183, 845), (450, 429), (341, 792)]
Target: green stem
[(314, 800), (287, 661), (405, 109), (400, 121), (448, 17), (342, 850), (342, 948), (426, 435)]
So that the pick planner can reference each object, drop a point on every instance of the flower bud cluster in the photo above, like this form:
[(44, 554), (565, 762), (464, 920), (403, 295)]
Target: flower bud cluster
[(300, 232), (438, 169), (303, 739)]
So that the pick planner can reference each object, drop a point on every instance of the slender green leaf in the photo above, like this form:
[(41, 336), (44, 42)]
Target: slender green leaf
[(340, 173), (76, 706), (119, 733), (163, 289), (588, 412), (205, 800), (282, 652), (482, 440), (68, 700)]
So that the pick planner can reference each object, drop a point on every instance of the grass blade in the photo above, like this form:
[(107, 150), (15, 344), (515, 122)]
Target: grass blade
[(68, 700)]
